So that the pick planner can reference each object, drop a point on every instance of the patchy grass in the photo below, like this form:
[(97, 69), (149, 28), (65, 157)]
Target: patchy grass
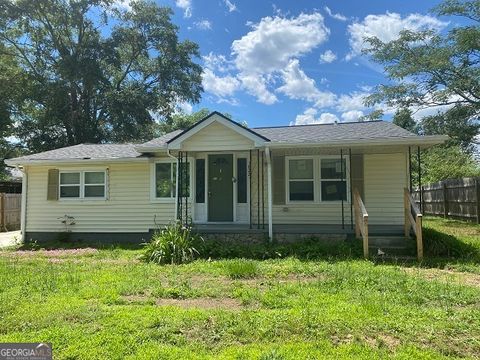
[(104, 303), (241, 268)]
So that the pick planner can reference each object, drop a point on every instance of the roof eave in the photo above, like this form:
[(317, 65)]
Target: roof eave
[(149, 149), (422, 141), (20, 162)]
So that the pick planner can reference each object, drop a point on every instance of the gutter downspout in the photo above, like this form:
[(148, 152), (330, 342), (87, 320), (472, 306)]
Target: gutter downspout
[(176, 184), (269, 190), (23, 208)]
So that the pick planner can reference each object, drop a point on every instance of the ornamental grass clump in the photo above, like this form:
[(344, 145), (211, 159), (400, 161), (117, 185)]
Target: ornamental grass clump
[(174, 244)]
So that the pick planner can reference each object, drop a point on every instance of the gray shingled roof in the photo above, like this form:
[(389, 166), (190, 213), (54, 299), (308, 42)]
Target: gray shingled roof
[(160, 141), (318, 133), (84, 151), (334, 132)]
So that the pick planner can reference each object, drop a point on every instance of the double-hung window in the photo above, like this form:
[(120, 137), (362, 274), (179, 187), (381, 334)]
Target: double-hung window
[(316, 179), (333, 183), (301, 182), (166, 180), (82, 185)]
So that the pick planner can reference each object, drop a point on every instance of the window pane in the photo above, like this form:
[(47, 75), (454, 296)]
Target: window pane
[(334, 190), (332, 169), (241, 181), (70, 178), (69, 191), (200, 181), (163, 180), (301, 169), (95, 178), (183, 180), (301, 190), (94, 191)]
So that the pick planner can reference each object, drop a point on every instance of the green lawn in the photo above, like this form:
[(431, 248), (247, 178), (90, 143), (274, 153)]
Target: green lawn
[(106, 304)]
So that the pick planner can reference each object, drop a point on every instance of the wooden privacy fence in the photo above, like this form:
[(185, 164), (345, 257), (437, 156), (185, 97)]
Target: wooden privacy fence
[(452, 198), (10, 205)]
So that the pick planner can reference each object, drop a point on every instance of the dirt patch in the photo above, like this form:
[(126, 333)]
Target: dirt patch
[(205, 303), (447, 276), (379, 340), (202, 303)]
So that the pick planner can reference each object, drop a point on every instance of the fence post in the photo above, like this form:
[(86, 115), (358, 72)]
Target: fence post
[(445, 201), (422, 199), (477, 190)]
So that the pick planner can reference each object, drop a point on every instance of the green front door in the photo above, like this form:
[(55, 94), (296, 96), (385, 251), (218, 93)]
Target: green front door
[(220, 187)]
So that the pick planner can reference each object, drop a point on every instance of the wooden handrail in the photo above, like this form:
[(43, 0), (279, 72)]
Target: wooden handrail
[(413, 220), (361, 221)]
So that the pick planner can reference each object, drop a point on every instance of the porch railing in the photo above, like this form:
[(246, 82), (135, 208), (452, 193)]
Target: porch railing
[(361, 221), (413, 220)]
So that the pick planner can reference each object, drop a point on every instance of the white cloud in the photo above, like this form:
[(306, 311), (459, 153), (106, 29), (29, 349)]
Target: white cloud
[(297, 85), (335, 16), (185, 107), (352, 115), (220, 86), (230, 6), (122, 5), (387, 27), (325, 99), (219, 63), (309, 117), (203, 25), (256, 85), (274, 41), (352, 101), (328, 56), (186, 6), (271, 45)]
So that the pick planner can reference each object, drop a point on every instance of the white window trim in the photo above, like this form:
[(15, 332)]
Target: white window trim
[(153, 190), (317, 179), (287, 179), (82, 184)]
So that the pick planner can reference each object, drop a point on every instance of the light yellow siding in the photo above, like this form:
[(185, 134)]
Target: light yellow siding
[(385, 178), (293, 213), (128, 208), (216, 137)]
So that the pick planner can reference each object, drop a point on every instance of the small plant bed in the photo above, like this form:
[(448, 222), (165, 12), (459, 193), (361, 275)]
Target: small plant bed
[(107, 302)]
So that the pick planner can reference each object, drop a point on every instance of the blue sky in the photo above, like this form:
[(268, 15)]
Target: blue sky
[(293, 62)]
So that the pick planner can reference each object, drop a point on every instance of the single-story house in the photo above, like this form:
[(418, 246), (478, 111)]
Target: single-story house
[(224, 177)]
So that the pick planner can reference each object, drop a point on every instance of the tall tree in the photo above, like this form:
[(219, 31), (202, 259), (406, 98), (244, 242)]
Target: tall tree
[(12, 81), (95, 73), (403, 118), (446, 162), (182, 121), (429, 69), (457, 123)]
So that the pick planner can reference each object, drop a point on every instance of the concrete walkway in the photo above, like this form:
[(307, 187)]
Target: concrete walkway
[(10, 238)]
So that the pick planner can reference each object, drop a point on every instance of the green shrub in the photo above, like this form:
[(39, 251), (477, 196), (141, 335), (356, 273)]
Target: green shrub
[(174, 244), (307, 249), (241, 269)]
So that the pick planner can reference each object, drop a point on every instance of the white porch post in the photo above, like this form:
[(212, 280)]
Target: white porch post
[(269, 190), (23, 206), (176, 184)]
